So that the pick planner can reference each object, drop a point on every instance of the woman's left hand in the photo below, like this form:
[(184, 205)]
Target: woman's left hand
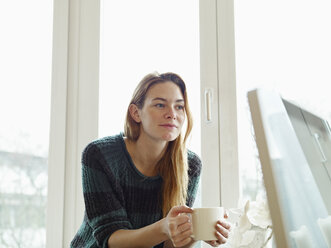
[(222, 230)]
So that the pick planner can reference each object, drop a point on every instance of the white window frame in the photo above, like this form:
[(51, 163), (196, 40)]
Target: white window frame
[(74, 113), (219, 145), (74, 109)]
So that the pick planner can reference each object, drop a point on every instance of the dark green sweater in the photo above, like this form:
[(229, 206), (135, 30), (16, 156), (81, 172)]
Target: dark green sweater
[(117, 196)]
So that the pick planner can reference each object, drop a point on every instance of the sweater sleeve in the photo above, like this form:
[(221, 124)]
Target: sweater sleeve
[(103, 196), (194, 172)]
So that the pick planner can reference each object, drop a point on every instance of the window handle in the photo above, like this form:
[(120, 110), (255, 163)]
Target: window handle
[(317, 137), (208, 103)]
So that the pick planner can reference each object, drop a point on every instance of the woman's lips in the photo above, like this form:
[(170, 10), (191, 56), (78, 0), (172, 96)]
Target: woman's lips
[(168, 126)]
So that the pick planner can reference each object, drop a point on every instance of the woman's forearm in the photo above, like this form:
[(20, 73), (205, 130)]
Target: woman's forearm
[(147, 236)]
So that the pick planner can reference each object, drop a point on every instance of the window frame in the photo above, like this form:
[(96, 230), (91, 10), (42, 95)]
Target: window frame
[(74, 113), (219, 145), (74, 109)]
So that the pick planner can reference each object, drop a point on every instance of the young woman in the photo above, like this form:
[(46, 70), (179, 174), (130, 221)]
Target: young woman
[(139, 186)]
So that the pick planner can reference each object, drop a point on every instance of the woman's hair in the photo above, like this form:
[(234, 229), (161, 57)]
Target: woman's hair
[(172, 167)]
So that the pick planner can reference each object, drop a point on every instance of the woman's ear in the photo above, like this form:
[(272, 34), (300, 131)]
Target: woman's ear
[(133, 109)]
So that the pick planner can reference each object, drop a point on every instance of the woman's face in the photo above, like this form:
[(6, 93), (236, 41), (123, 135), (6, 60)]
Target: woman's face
[(163, 113)]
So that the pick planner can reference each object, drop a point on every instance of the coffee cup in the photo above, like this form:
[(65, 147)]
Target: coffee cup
[(204, 222)]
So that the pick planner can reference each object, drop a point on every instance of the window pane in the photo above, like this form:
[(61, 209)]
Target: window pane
[(139, 37), (25, 80), (282, 45)]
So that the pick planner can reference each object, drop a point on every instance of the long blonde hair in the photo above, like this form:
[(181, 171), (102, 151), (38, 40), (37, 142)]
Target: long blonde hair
[(173, 166)]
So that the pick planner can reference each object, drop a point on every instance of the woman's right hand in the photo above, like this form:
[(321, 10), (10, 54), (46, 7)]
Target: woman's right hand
[(178, 226)]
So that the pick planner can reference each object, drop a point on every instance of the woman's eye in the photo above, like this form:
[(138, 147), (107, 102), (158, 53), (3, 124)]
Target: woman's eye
[(180, 107), (159, 105)]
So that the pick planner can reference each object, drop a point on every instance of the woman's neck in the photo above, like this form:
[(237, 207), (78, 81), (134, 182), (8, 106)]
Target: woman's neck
[(146, 153)]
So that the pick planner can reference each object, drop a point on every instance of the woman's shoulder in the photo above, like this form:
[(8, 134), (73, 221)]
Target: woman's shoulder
[(105, 145), (193, 157), (194, 162)]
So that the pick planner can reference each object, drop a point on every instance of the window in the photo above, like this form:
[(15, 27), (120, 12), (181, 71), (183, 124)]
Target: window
[(139, 37), (285, 46), (26, 46)]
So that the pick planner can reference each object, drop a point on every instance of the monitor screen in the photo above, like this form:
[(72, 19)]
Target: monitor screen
[(294, 149)]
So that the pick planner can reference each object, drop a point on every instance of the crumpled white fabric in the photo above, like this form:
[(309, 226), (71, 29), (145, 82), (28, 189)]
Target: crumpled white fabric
[(251, 228)]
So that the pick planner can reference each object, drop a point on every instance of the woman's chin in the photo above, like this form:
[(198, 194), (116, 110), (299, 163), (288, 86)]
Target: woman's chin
[(169, 137)]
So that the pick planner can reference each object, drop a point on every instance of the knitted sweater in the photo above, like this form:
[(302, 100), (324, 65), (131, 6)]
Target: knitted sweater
[(117, 196)]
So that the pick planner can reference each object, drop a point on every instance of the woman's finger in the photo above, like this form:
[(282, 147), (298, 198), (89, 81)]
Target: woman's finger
[(179, 224), (226, 214), (182, 242), (225, 224), (181, 229), (182, 238), (224, 232), (185, 227), (213, 243), (178, 210), (181, 219), (220, 238)]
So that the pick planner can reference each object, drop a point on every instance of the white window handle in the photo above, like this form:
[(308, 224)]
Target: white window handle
[(317, 137), (208, 104)]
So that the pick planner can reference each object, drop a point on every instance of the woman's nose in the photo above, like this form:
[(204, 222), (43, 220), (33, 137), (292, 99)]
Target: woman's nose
[(171, 114)]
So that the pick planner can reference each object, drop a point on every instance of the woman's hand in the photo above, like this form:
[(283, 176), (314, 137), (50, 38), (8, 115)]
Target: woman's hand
[(222, 232), (178, 226)]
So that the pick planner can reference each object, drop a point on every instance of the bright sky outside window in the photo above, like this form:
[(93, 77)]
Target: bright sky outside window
[(285, 46), (25, 82)]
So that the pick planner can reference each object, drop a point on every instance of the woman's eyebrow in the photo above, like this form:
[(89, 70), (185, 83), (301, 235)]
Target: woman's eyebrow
[(165, 100), (159, 99)]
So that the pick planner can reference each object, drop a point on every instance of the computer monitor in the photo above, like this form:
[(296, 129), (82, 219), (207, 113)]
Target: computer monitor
[(295, 151)]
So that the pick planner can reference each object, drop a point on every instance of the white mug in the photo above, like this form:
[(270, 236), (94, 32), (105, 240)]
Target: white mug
[(204, 222)]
